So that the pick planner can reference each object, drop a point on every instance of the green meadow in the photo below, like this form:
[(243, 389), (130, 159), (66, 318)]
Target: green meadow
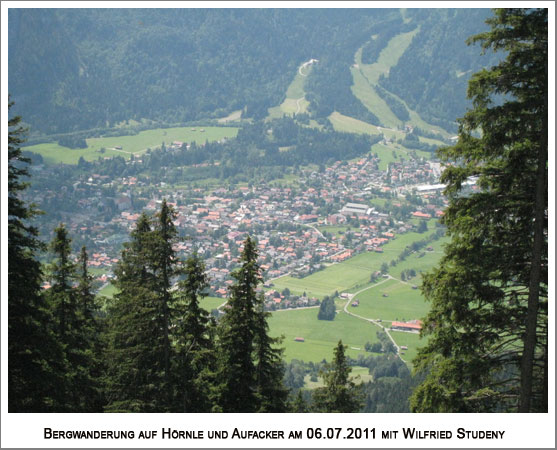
[(133, 144), (366, 76), (411, 340), (394, 152), (355, 272), (210, 303), (294, 102), (348, 124), (391, 301), (321, 336)]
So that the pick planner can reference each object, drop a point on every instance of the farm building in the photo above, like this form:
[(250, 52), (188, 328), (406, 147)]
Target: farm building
[(413, 325), (299, 339), (356, 303)]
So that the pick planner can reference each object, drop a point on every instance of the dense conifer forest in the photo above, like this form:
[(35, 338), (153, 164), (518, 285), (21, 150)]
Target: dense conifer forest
[(80, 69)]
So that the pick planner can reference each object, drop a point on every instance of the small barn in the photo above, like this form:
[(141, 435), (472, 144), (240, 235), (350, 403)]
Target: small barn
[(299, 339)]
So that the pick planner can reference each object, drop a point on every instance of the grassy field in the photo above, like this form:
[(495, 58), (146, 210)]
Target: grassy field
[(387, 153), (108, 291), (321, 336), (333, 229), (366, 76), (358, 375), (210, 303), (371, 100), (296, 88), (352, 273), (135, 144), (350, 125), (410, 340), (401, 304), (294, 102)]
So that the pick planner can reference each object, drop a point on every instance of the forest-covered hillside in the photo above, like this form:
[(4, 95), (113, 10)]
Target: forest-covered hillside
[(76, 69)]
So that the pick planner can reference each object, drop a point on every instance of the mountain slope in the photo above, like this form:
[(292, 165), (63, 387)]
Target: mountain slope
[(75, 69)]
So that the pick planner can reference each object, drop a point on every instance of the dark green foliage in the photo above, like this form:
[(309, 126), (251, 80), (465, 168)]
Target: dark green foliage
[(488, 321), (81, 69), (134, 372), (269, 367), (237, 371), (194, 334), (387, 345), (92, 329), (299, 405), (34, 357), (72, 142), (340, 393), (432, 75), (74, 325), (250, 369), (164, 267), (382, 33), (422, 226), (395, 105), (327, 309)]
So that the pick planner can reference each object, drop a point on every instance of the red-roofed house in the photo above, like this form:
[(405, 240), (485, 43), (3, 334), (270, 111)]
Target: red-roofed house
[(415, 326)]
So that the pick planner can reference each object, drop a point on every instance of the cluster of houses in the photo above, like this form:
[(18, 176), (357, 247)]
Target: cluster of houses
[(288, 222)]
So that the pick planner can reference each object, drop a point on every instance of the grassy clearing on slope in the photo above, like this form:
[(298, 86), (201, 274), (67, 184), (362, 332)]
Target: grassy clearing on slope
[(366, 76), (136, 144), (321, 336), (388, 57), (296, 88), (367, 95), (292, 106), (394, 152), (348, 124), (234, 115)]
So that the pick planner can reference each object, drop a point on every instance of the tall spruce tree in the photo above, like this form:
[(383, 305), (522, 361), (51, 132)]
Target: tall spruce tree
[(340, 394), (272, 394), (165, 268), (35, 359), (134, 369), (488, 322), (91, 330), (193, 336), (74, 327), (237, 391)]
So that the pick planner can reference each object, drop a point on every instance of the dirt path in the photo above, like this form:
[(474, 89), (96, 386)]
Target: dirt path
[(374, 322)]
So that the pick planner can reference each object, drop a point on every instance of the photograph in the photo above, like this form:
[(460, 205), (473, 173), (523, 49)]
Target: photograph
[(217, 210)]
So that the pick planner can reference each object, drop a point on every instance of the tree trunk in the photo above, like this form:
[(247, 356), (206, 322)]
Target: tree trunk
[(528, 354)]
